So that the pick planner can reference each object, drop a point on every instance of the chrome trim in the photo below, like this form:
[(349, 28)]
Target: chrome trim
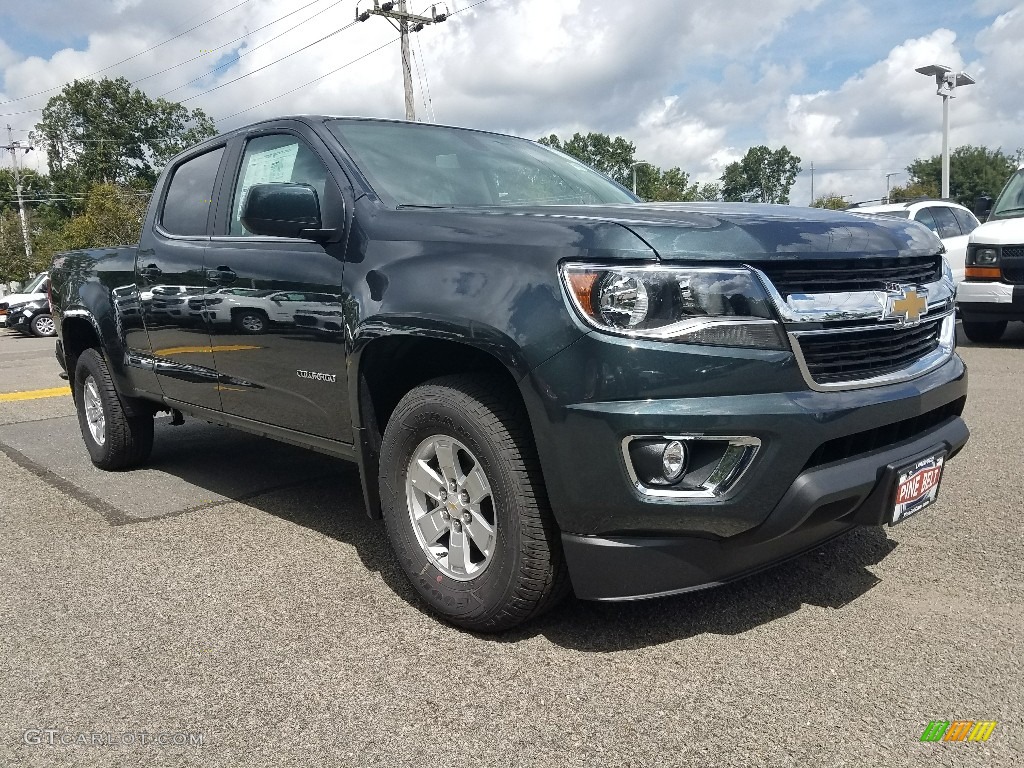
[(849, 305), (733, 465), (927, 364)]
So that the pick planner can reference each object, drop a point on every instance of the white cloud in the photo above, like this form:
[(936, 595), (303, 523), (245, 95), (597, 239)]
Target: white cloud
[(691, 84)]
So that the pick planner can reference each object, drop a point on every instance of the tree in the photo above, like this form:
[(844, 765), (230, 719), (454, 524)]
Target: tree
[(973, 171), (615, 158), (113, 216), (105, 131), (912, 190), (34, 187), (763, 175), (831, 200), (612, 157)]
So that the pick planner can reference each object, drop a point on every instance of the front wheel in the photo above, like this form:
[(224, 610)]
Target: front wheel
[(984, 331), (115, 438), (465, 505), (42, 325)]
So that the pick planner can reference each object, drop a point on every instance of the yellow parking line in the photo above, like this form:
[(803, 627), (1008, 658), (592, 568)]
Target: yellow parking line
[(206, 349), (35, 394)]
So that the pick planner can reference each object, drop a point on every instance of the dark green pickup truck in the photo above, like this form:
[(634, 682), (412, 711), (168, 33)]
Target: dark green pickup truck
[(546, 383)]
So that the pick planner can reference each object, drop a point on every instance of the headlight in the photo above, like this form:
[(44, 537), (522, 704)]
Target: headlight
[(986, 256), (697, 305), (947, 270)]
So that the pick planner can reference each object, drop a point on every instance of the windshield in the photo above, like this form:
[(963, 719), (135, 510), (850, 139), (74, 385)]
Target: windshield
[(1010, 203), (37, 284), (411, 164)]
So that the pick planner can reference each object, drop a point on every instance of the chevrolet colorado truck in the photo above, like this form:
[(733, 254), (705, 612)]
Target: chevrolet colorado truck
[(546, 383)]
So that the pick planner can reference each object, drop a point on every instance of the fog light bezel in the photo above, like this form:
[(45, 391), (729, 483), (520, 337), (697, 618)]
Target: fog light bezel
[(736, 460)]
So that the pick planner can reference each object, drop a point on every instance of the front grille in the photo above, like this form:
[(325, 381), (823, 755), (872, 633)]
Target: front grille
[(1012, 262), (882, 437), (861, 274), (835, 357)]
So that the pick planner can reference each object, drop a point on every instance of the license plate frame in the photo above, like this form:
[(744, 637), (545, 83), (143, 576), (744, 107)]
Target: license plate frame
[(916, 486)]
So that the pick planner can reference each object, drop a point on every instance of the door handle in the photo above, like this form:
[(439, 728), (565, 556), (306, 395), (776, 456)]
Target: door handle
[(150, 273), (222, 275)]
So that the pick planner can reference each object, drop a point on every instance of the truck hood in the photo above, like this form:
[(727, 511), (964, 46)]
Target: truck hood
[(21, 298), (746, 232), (999, 232)]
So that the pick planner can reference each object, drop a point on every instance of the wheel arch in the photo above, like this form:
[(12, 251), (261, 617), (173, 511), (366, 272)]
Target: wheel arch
[(394, 361)]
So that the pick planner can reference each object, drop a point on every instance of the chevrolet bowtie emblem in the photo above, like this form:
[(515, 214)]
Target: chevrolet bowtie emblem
[(905, 305)]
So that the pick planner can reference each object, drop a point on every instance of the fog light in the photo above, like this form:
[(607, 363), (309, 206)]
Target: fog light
[(673, 461)]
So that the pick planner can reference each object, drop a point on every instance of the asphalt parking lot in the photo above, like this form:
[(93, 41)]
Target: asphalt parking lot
[(236, 589)]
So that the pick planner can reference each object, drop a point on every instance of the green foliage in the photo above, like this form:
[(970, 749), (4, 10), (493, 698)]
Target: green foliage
[(831, 200), (616, 157), (612, 157), (763, 175), (973, 171), (34, 186), (912, 190), (105, 131), (113, 216)]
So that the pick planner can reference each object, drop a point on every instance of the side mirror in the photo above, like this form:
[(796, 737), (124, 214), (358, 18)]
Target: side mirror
[(281, 210), (983, 207)]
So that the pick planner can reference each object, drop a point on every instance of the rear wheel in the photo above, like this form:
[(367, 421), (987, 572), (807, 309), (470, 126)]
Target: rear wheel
[(42, 325), (465, 505), (982, 331), (250, 321), (115, 438)]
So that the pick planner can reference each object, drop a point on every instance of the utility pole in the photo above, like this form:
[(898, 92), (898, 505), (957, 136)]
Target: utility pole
[(812, 182), (406, 23), (14, 147), (887, 177)]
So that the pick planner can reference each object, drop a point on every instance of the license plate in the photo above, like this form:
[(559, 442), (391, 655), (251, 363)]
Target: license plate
[(917, 486)]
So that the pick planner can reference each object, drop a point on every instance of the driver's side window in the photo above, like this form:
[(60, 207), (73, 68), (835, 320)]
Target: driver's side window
[(271, 160)]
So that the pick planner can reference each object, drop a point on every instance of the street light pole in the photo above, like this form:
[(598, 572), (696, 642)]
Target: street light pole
[(947, 82), (887, 177), (634, 166)]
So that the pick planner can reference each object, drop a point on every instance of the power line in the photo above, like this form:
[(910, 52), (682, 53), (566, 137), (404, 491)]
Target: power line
[(242, 37), (252, 50), (310, 82), (333, 71), (219, 67), (129, 58)]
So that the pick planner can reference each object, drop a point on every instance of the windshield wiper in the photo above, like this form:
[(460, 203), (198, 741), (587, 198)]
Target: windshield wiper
[(414, 205)]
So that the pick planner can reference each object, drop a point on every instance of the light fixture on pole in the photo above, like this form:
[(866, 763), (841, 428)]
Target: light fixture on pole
[(947, 82), (633, 166), (887, 177)]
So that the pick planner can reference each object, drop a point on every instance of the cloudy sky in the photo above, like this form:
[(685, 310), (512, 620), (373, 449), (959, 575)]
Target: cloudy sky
[(692, 83)]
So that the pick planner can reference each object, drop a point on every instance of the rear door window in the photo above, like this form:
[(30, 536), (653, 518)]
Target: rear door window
[(925, 217), (946, 221), (190, 195), (968, 223)]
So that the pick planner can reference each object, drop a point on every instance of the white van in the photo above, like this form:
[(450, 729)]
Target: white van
[(992, 292)]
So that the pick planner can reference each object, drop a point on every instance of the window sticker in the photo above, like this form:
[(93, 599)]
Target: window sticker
[(268, 167)]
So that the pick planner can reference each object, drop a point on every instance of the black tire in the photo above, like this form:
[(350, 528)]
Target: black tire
[(251, 321), (526, 573), (127, 436), (980, 331), (42, 325)]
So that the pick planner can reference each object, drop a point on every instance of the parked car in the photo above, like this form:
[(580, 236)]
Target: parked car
[(993, 291), (32, 318), (34, 291), (952, 222), (543, 380)]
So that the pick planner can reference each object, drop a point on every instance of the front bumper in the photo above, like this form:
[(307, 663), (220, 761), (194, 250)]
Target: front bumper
[(982, 302), (822, 503), (825, 461)]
